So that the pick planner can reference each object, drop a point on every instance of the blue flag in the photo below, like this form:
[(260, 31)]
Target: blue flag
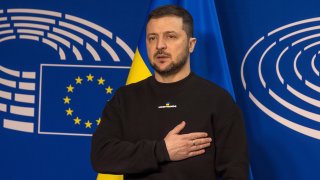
[(78, 91), (208, 59)]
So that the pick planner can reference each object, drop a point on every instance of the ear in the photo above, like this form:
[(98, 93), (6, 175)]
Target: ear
[(192, 44)]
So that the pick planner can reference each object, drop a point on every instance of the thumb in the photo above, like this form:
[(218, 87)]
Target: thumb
[(178, 128)]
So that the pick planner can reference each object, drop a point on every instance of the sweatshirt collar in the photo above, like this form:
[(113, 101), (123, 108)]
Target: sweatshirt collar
[(170, 88)]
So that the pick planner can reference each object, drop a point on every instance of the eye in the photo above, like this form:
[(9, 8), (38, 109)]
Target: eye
[(171, 36), (151, 38)]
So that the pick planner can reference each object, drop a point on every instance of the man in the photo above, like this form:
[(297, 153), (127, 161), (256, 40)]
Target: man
[(173, 125)]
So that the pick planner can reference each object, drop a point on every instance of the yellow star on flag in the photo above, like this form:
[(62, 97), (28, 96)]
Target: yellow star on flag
[(109, 90), (98, 121), (101, 81), (66, 100), (78, 80), (88, 124), (70, 88), (90, 77), (69, 112), (77, 120)]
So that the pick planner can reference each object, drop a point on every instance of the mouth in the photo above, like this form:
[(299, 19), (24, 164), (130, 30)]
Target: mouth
[(162, 57)]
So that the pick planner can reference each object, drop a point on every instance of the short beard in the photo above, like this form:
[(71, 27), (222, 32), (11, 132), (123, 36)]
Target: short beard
[(174, 67)]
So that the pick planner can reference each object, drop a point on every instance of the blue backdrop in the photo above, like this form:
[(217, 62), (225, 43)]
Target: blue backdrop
[(273, 57), (61, 61)]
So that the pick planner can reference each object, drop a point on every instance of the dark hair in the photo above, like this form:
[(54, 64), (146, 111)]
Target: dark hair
[(172, 10)]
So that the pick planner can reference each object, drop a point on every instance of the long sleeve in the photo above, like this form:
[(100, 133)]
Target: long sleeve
[(230, 142), (110, 153)]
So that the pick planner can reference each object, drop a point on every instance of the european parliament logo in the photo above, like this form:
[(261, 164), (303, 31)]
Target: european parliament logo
[(290, 93), (64, 95)]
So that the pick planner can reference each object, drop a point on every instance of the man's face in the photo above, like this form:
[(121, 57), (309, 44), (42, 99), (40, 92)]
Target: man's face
[(168, 46)]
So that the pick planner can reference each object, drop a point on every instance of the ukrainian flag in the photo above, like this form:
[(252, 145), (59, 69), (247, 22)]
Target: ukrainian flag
[(208, 60)]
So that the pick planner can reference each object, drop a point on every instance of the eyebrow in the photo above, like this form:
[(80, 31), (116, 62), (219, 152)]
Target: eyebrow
[(166, 32), (170, 32)]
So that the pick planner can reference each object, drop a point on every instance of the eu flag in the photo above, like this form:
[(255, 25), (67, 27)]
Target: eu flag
[(75, 91)]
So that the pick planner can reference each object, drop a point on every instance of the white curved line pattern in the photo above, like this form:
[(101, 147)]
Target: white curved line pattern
[(90, 24), (277, 65), (3, 107), (295, 66), (302, 112), (244, 60), (17, 96), (299, 32), (8, 83), (18, 125), (27, 86), (62, 54), (304, 97), (23, 111), (79, 29), (77, 53), (7, 38), (36, 11), (59, 39), (64, 42), (50, 43), (10, 31), (30, 18), (125, 47), (312, 45), (305, 39), (294, 102), (4, 25), (294, 126), (68, 34), (313, 66), (28, 31), (93, 52), (10, 71), (5, 95), (45, 24), (312, 86), (113, 54), (25, 98), (29, 37), (29, 75), (260, 64), (294, 24), (31, 25)]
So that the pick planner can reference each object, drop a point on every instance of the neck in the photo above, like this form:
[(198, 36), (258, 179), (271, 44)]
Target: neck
[(183, 73)]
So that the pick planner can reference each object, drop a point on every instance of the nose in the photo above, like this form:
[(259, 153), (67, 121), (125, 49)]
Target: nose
[(161, 44)]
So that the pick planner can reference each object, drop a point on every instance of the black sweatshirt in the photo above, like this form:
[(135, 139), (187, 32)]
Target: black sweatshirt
[(129, 139)]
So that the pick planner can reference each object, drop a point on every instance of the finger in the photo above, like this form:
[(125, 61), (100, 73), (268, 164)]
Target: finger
[(195, 135), (178, 128), (199, 147), (196, 153), (202, 141)]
